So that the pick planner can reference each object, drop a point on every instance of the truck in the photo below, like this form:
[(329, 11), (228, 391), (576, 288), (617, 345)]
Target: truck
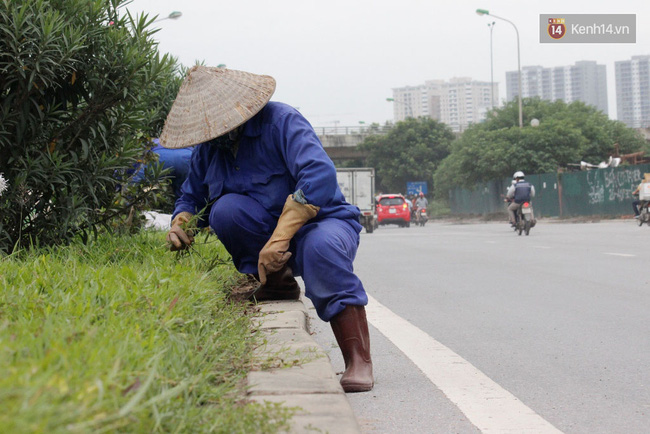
[(358, 186)]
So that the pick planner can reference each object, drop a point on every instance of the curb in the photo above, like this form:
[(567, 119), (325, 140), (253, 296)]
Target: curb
[(309, 383)]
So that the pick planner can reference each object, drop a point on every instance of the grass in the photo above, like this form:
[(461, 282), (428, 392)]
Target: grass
[(438, 209), (121, 335)]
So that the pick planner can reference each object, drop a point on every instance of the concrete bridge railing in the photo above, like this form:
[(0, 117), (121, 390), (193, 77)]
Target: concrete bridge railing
[(341, 143)]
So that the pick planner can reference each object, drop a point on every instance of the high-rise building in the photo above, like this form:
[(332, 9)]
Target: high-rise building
[(584, 81), (458, 103), (633, 91)]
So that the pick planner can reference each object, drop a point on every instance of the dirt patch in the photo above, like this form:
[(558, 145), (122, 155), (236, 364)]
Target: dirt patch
[(243, 288)]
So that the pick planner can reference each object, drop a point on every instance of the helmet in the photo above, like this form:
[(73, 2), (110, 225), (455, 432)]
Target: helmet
[(518, 174), (421, 194)]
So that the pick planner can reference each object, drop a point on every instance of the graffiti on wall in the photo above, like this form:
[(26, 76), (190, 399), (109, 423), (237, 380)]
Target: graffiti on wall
[(610, 185), (620, 184), (596, 189)]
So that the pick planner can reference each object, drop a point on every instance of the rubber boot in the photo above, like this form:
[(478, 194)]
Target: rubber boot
[(280, 285), (350, 328)]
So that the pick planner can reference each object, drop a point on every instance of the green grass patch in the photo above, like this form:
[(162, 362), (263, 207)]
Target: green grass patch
[(438, 209), (121, 335)]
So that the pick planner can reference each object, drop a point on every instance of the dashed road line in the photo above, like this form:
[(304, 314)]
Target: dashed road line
[(625, 255), (486, 404)]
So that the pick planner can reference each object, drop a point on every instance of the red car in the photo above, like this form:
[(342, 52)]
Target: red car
[(393, 209)]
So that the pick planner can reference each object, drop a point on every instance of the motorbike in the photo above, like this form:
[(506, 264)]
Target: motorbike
[(644, 213), (422, 216), (524, 218)]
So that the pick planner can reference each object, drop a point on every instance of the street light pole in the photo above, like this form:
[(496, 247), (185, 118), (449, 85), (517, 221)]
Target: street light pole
[(486, 12), (491, 26), (407, 107)]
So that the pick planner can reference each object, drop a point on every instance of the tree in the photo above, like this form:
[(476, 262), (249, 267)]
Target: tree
[(411, 151), (567, 133), (82, 88)]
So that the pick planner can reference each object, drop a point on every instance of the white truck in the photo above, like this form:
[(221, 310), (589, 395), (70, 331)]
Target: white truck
[(358, 187)]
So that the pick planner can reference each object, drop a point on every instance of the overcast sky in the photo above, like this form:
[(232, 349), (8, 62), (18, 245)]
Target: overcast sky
[(338, 60)]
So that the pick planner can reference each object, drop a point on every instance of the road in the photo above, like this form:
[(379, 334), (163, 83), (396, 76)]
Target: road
[(474, 328)]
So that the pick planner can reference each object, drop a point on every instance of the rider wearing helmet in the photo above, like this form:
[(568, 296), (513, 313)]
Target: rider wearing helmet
[(518, 193), (421, 201)]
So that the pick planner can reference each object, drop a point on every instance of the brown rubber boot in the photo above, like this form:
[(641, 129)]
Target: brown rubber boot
[(351, 331), (280, 285)]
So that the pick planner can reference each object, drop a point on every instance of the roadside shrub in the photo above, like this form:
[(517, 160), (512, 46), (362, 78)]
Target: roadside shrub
[(82, 90)]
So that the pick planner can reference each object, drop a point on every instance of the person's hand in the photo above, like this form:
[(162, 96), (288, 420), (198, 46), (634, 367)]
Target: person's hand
[(179, 238), (273, 256), (275, 253)]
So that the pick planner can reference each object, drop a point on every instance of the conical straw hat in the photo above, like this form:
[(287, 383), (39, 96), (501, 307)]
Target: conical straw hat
[(212, 102)]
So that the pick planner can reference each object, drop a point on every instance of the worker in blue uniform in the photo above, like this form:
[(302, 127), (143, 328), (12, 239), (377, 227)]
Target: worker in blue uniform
[(259, 177), (176, 160)]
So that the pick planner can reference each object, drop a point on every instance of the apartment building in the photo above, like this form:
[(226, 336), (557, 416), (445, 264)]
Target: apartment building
[(584, 81), (633, 91), (458, 102)]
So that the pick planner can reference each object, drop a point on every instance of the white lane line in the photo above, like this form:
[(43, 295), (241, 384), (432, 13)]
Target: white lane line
[(625, 255), (486, 404), (541, 247)]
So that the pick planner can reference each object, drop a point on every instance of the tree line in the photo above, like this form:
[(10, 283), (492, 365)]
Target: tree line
[(427, 150)]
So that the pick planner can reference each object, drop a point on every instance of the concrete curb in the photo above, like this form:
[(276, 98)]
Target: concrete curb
[(307, 380)]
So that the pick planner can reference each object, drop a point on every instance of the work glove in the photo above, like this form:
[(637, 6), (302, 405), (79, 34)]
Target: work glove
[(179, 236), (275, 253)]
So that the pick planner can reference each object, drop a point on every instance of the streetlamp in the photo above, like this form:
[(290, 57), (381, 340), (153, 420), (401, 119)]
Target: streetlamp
[(491, 26), (407, 107), (173, 16), (486, 12)]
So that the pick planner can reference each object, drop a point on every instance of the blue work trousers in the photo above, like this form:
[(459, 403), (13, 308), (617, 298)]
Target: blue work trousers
[(322, 252)]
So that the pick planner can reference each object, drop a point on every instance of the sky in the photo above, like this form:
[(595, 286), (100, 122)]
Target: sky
[(338, 60)]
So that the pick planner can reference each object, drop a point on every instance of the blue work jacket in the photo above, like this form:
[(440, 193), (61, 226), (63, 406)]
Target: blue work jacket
[(279, 153)]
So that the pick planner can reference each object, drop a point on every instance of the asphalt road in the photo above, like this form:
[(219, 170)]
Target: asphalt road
[(559, 319)]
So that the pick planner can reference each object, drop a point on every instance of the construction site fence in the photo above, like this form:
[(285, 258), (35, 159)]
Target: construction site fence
[(601, 192)]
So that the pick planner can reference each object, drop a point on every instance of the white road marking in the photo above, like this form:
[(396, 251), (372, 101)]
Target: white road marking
[(486, 404), (625, 255), (542, 247)]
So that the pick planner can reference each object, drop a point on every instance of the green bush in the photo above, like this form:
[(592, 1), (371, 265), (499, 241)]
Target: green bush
[(82, 89)]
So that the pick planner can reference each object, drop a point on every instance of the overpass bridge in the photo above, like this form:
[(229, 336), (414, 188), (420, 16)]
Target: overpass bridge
[(341, 143)]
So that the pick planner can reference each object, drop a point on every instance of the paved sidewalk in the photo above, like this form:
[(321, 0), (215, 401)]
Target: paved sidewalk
[(308, 381)]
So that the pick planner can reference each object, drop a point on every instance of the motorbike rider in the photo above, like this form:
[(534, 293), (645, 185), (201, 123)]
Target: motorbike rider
[(409, 203), (519, 193), (421, 203), (638, 204), (508, 200), (413, 209)]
